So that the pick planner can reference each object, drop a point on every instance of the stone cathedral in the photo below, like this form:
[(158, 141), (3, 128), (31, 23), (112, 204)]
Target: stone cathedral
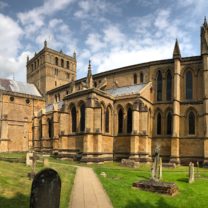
[(120, 113)]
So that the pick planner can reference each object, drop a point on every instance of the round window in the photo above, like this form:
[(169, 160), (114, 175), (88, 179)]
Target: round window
[(27, 100), (11, 98)]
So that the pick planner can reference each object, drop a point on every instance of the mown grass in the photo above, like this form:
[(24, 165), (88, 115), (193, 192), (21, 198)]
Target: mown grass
[(15, 186), (118, 185), (18, 155)]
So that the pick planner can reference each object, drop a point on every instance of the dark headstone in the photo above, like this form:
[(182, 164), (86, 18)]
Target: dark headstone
[(46, 189)]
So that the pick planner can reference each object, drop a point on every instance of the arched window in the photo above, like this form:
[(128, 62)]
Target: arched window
[(129, 120), (82, 117), (40, 129), (169, 86), (135, 78), (159, 124), (50, 128), (95, 84), (169, 123), (191, 123), (159, 86), (56, 61), (62, 63), (74, 119), (189, 85), (141, 77), (67, 64), (107, 120), (120, 121)]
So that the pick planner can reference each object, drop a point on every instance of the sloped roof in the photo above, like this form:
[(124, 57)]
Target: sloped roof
[(127, 90), (19, 87)]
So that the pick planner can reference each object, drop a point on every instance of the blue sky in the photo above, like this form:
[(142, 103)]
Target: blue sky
[(112, 33)]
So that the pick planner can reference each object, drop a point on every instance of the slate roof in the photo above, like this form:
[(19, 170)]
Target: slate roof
[(127, 90), (19, 87)]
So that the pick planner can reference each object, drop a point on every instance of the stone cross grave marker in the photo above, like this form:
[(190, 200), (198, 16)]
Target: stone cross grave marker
[(46, 189), (33, 157), (156, 170), (191, 172)]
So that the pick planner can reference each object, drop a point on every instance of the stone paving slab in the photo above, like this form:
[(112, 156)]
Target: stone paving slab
[(87, 191)]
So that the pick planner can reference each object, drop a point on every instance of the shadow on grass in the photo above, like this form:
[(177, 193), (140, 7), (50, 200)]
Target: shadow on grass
[(185, 180), (18, 201), (161, 203)]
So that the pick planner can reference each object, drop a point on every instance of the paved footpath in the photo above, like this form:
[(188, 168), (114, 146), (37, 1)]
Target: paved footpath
[(87, 191)]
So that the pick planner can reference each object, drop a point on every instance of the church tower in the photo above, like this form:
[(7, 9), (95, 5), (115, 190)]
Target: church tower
[(49, 69)]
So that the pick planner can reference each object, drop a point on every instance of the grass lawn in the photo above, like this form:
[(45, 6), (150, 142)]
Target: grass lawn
[(118, 185), (15, 186)]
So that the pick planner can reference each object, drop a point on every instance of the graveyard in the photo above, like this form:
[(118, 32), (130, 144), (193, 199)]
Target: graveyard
[(117, 180), (15, 186)]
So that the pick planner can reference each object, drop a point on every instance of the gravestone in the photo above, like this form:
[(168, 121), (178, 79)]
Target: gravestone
[(45, 161), (191, 172), (46, 189), (33, 159), (129, 163), (156, 170), (28, 158), (197, 170), (155, 184)]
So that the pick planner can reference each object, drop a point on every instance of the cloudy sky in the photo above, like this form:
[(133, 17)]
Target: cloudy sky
[(112, 33)]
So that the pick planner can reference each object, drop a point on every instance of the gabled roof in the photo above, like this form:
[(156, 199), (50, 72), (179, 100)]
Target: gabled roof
[(19, 87), (127, 90)]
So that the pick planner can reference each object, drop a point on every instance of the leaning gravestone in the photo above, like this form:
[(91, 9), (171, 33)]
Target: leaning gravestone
[(46, 189)]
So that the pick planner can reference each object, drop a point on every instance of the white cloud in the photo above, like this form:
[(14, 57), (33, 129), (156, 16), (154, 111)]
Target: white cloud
[(35, 18), (11, 34), (147, 38), (58, 35), (95, 8), (95, 42), (194, 8)]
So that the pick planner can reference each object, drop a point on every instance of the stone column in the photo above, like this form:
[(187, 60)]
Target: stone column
[(97, 120), (35, 132), (89, 123), (4, 127), (44, 127), (56, 124), (144, 138), (134, 140), (205, 104), (176, 112), (4, 140), (205, 151)]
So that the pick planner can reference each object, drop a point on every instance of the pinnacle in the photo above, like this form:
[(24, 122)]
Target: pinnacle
[(176, 51), (89, 66), (205, 22)]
